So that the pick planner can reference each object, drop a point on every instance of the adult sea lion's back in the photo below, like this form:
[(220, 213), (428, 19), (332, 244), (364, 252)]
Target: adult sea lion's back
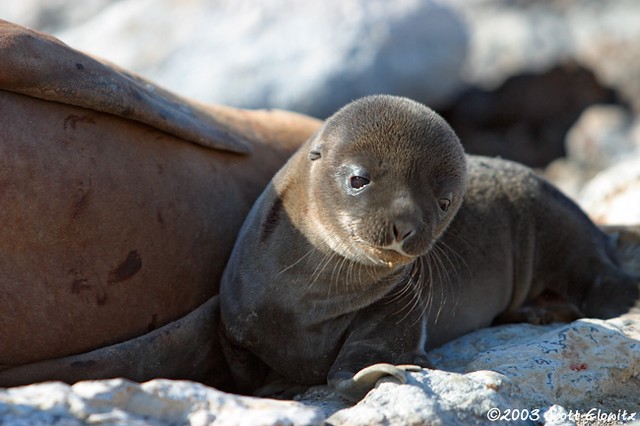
[(116, 221)]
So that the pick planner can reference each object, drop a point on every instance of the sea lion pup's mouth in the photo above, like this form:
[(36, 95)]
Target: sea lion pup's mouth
[(389, 255)]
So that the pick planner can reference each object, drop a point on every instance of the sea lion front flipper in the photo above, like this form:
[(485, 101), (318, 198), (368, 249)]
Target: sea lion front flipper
[(41, 66), (356, 387)]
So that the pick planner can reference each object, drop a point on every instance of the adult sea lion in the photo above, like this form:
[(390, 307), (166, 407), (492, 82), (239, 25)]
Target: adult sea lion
[(120, 205), (361, 253)]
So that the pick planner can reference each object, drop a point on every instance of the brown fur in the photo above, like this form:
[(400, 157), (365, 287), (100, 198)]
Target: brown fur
[(114, 228)]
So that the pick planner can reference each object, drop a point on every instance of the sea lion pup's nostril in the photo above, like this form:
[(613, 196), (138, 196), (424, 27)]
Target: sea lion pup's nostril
[(402, 230)]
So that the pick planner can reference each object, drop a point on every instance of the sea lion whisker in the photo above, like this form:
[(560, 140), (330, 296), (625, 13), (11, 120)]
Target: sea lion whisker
[(440, 244), (403, 288), (296, 262), (440, 270), (320, 267), (454, 267), (335, 275), (418, 301), (426, 310), (414, 290), (444, 249), (346, 246), (451, 233)]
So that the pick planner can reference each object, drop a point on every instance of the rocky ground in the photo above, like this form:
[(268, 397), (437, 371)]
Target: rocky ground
[(586, 372), (553, 84)]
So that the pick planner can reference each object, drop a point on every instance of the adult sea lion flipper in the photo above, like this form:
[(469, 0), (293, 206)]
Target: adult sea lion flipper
[(41, 66)]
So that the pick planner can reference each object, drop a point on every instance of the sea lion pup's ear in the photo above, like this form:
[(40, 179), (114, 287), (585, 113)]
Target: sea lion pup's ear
[(315, 153), (317, 144)]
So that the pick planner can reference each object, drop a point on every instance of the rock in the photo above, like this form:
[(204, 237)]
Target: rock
[(510, 38), (527, 117), (603, 137), (564, 366), (315, 57), (613, 196), (228, 47), (516, 54), (523, 374), (513, 368), (51, 15), (434, 397), (309, 57), (158, 402)]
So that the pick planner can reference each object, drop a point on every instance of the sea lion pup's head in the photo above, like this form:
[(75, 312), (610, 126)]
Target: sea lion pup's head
[(387, 177)]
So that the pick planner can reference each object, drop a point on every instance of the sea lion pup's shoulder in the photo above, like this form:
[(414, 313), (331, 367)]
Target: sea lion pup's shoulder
[(333, 234)]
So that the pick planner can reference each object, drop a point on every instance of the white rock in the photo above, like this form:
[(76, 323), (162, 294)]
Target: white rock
[(613, 196), (585, 365), (537, 373), (158, 402), (432, 397), (600, 170), (576, 365), (603, 136)]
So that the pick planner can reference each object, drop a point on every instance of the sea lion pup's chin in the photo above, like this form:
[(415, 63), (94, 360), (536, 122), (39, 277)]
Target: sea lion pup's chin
[(386, 177), (307, 289)]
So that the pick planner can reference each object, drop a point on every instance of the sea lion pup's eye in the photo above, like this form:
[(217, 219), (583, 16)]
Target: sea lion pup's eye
[(444, 204), (358, 182)]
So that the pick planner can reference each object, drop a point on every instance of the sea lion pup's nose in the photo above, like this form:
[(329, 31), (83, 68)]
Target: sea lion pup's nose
[(402, 230)]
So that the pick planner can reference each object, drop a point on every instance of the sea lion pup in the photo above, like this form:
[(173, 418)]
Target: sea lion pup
[(360, 255)]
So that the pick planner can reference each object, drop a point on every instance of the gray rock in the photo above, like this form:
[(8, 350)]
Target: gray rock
[(314, 57), (603, 137), (509, 38), (311, 57), (565, 365), (51, 15)]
